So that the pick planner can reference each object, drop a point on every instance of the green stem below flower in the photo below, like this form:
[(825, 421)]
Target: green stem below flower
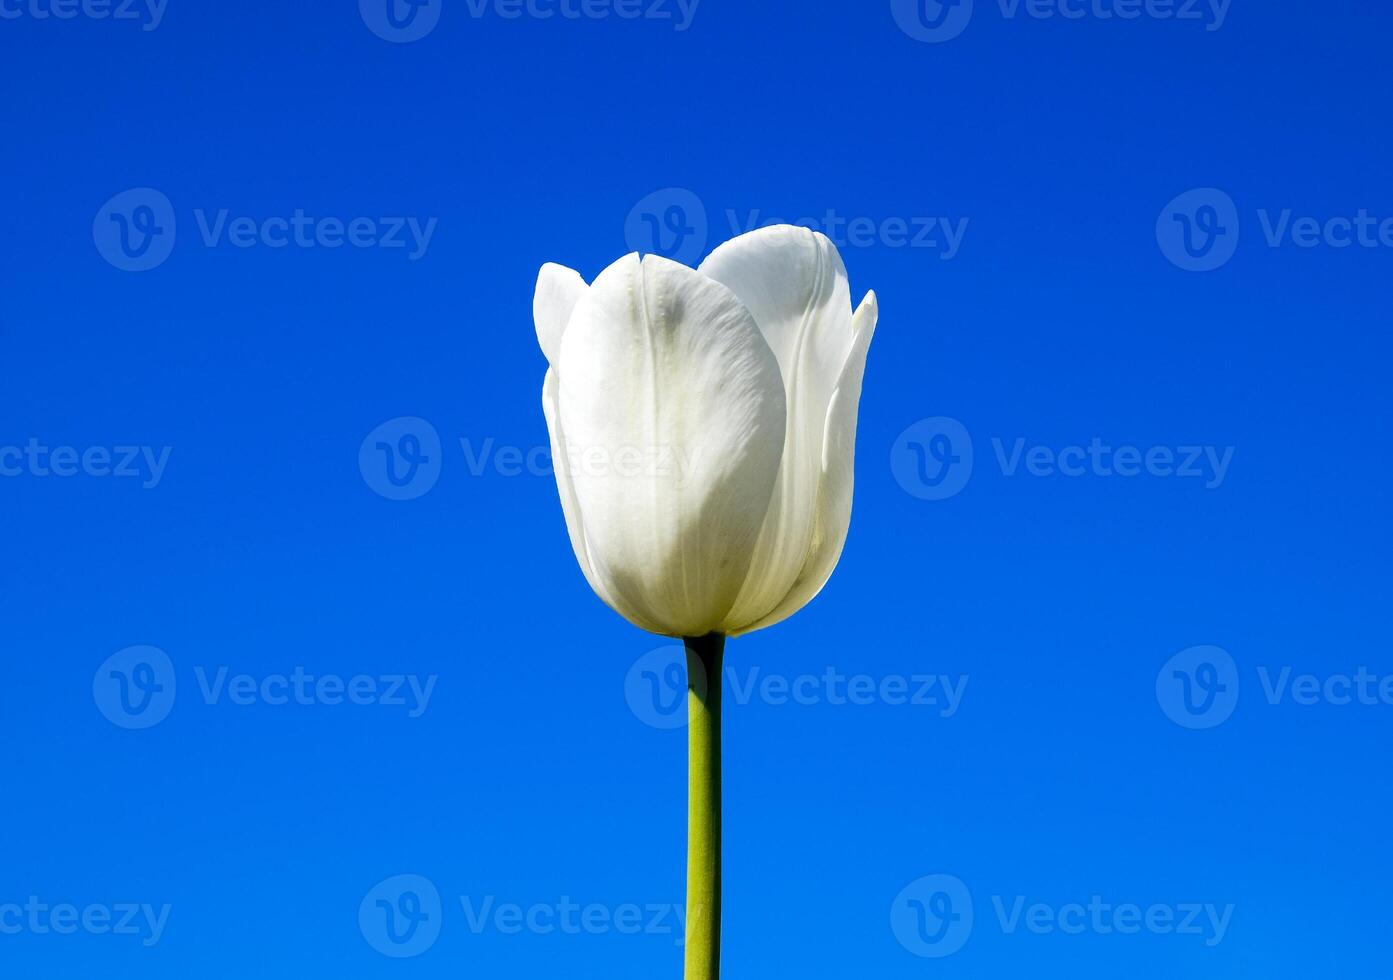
[(703, 956)]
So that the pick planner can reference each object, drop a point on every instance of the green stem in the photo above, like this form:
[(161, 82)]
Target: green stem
[(704, 805)]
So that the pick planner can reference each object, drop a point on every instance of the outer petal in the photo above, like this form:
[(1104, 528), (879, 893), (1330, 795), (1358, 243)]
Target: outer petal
[(558, 291), (795, 284), (833, 514), (565, 486), (671, 402)]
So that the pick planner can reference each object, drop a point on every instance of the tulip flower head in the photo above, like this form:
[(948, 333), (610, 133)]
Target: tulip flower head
[(703, 427)]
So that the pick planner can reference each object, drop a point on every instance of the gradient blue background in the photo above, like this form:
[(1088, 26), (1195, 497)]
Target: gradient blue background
[(529, 778)]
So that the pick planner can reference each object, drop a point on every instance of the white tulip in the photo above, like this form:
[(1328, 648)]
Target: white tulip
[(703, 427)]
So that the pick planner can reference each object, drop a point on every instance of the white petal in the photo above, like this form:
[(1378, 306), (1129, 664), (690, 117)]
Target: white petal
[(833, 513), (569, 506), (795, 284), (558, 291), (672, 403)]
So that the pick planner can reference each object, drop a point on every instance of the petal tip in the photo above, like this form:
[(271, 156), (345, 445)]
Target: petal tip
[(867, 314), (658, 260), (558, 290)]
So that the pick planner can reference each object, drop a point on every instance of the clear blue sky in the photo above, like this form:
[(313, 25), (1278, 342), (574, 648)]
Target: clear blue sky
[(1057, 296)]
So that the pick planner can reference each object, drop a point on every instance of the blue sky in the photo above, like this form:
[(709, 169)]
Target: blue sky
[(1096, 690)]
